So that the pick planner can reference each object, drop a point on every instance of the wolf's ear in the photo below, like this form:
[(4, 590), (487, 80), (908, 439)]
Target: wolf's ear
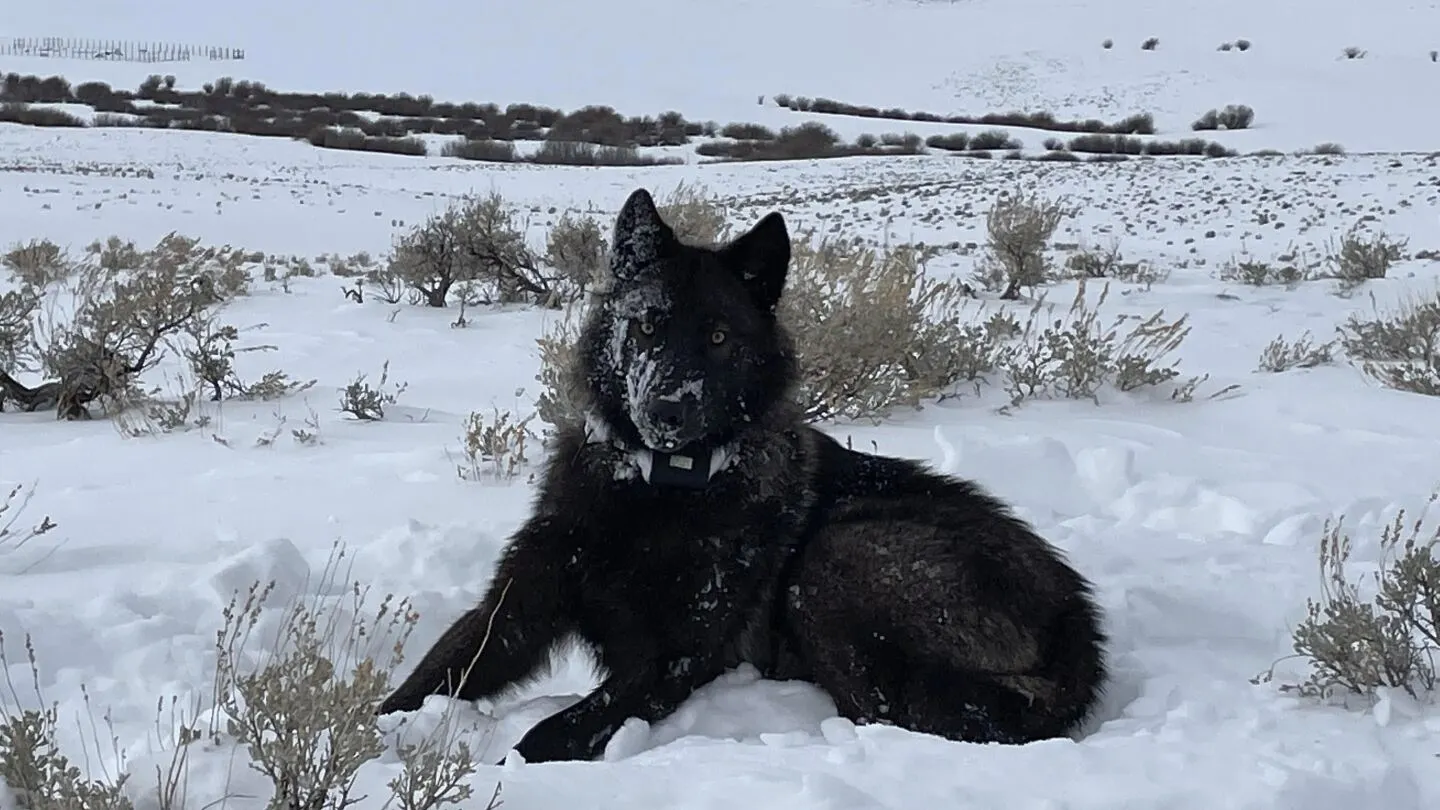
[(641, 237), (761, 258)]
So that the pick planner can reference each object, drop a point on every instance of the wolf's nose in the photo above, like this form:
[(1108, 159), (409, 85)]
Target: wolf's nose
[(667, 414)]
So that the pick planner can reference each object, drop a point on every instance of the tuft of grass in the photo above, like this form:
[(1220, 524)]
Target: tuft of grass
[(1281, 355), (1150, 44), (14, 534), (496, 448)]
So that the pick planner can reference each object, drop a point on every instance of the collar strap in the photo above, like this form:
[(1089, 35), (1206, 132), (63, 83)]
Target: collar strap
[(688, 469), (691, 468)]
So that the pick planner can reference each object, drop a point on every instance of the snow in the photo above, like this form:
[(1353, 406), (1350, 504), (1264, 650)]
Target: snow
[(1197, 521)]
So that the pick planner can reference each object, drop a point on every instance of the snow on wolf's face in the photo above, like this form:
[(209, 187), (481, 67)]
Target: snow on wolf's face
[(685, 347)]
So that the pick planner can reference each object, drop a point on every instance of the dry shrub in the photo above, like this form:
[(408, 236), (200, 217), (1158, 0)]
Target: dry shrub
[(1076, 355), (1233, 116), (436, 772), (1019, 226), (355, 140), (306, 714), (694, 215), (352, 266), (298, 691), (127, 307), (1399, 348), (210, 351), (1280, 355), (14, 534), (482, 149), (577, 247), (871, 327), (17, 113), (1257, 273), (367, 402), (579, 153), (17, 312), (1109, 262), (474, 240), (1237, 116), (1381, 631), (37, 263), (305, 708), (39, 775), (563, 398), (496, 448), (1361, 256)]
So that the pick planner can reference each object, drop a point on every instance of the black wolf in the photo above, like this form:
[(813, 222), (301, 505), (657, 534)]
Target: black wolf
[(696, 522)]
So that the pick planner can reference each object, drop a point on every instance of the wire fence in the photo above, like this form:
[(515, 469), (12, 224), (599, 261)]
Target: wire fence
[(116, 50)]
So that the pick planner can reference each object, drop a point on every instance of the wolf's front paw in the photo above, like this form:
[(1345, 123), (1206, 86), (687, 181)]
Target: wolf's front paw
[(399, 702)]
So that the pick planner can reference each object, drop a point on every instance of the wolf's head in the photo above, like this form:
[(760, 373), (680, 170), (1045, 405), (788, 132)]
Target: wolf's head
[(685, 348)]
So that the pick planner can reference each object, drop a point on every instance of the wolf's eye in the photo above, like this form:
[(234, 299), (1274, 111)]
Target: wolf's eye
[(717, 337), (647, 328)]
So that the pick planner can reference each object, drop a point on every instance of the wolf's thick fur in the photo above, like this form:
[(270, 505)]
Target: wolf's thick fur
[(912, 598)]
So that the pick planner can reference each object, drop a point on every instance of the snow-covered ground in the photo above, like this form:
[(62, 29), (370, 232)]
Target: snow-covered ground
[(1198, 521)]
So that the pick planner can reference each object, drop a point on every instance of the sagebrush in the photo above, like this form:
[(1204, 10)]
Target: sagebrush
[(93, 326), (295, 686), (1282, 355), (1399, 347), (367, 402), (1019, 227), (1383, 630)]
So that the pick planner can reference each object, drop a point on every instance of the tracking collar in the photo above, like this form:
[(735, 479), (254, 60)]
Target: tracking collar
[(691, 467)]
